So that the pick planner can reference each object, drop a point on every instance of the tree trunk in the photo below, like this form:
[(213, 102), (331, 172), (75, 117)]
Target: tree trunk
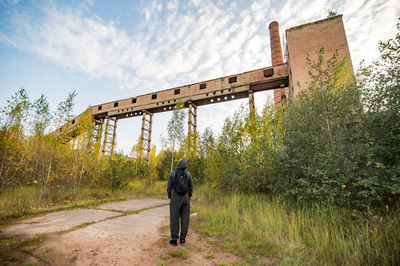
[(17, 167), (35, 171), (5, 153), (2, 178), (80, 179), (172, 158), (75, 170), (44, 183), (329, 132)]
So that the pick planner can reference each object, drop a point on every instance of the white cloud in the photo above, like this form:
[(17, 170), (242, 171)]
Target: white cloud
[(6, 39), (208, 39), (195, 3), (172, 5), (366, 23)]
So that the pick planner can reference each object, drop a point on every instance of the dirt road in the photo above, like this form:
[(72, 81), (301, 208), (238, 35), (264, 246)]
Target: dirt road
[(133, 232)]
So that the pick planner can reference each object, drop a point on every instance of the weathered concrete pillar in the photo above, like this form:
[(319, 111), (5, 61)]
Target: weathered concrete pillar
[(251, 101), (103, 150), (284, 99), (276, 55)]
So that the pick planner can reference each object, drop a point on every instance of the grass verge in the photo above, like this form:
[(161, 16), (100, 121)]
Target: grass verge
[(10, 243), (180, 253), (264, 230), (22, 202)]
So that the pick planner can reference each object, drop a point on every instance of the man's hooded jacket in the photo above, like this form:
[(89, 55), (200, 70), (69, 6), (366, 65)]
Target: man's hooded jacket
[(180, 171)]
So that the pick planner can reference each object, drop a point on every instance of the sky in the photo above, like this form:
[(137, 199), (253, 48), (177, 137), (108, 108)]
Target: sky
[(110, 50)]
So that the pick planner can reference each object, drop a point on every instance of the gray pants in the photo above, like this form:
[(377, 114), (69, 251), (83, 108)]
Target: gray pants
[(179, 207)]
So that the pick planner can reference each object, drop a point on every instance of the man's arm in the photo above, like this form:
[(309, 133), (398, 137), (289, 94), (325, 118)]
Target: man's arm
[(169, 186)]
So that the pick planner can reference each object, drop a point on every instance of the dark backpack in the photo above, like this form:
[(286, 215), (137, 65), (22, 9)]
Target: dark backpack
[(181, 185)]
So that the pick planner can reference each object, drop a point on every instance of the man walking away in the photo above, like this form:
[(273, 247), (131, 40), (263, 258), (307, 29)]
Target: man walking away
[(179, 189)]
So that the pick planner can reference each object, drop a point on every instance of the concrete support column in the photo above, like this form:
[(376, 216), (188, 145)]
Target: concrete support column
[(251, 101), (103, 149), (145, 137), (284, 98)]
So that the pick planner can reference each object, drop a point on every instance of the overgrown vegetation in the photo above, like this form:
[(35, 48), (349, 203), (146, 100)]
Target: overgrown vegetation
[(39, 170), (267, 230)]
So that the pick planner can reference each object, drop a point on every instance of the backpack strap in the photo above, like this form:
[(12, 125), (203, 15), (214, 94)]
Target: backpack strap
[(173, 178)]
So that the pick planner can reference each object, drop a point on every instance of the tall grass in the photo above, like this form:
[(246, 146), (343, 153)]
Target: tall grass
[(25, 200), (263, 230)]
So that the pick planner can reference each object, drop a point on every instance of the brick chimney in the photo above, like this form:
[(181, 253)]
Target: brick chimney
[(276, 55)]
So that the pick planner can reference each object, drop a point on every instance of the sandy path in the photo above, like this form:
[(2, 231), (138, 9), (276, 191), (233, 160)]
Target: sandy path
[(111, 238)]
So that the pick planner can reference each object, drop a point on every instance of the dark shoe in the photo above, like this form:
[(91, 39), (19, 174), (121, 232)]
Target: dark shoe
[(182, 241), (173, 242)]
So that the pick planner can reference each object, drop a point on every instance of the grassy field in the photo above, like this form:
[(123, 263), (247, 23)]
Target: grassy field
[(20, 202), (263, 230), (257, 228)]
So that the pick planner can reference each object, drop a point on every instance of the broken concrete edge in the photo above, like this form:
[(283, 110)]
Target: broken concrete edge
[(124, 213), (86, 204), (75, 205), (8, 244), (18, 242)]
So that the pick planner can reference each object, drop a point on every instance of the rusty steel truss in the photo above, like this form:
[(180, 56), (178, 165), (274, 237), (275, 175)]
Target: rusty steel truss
[(109, 132), (145, 137), (192, 124)]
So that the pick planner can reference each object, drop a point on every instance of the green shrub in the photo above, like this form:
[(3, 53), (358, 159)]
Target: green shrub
[(264, 230)]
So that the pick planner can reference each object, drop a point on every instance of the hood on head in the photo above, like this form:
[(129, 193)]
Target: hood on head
[(182, 164)]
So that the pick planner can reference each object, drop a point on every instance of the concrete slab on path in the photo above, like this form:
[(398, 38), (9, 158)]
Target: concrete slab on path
[(135, 223), (56, 221), (133, 205), (123, 240)]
